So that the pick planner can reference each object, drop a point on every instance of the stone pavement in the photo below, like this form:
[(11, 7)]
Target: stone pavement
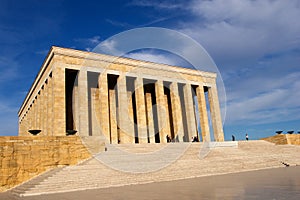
[(279, 183)]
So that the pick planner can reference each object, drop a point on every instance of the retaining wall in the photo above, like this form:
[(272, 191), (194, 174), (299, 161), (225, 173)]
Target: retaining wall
[(24, 157), (284, 139)]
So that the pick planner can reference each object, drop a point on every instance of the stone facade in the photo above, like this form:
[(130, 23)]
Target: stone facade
[(120, 99), (24, 157)]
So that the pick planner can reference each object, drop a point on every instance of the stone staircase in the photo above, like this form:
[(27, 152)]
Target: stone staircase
[(144, 163)]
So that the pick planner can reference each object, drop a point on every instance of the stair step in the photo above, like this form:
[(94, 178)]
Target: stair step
[(125, 164)]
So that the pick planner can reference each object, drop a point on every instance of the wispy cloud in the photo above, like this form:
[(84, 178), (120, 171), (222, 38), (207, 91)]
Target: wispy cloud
[(89, 43), (42, 52), (276, 105), (25, 27), (158, 4), (131, 26), (8, 69), (233, 30), (9, 118), (256, 47), (119, 24), (245, 29), (108, 46), (150, 55), (155, 21)]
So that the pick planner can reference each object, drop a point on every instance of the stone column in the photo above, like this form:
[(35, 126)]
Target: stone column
[(42, 109), (140, 110), (50, 108), (161, 112), (28, 126), (190, 113), (38, 111), (130, 120), (95, 108), (176, 112), (75, 104), (131, 123), (113, 117), (22, 128), (45, 109), (203, 114), (125, 132), (22, 124), (59, 101), (83, 102), (150, 123), (34, 115), (31, 117), (167, 116), (104, 106), (215, 113)]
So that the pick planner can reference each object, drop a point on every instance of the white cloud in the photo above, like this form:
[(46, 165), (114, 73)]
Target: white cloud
[(108, 46), (8, 118), (9, 124), (256, 47), (8, 69), (157, 58), (94, 40), (89, 43), (42, 52), (274, 105), (245, 29), (157, 4), (6, 107), (119, 24)]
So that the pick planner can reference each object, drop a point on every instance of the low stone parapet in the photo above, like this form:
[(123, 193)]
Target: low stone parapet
[(221, 144), (24, 157), (281, 139)]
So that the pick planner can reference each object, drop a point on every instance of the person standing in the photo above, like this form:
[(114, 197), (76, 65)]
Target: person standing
[(233, 138), (247, 137), (168, 138)]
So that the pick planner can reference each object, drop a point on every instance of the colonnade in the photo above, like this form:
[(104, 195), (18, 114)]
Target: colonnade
[(134, 109), (125, 100), (38, 115), (46, 107)]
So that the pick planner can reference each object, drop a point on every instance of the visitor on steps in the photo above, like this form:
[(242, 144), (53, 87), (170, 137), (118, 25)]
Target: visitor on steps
[(195, 139), (168, 138)]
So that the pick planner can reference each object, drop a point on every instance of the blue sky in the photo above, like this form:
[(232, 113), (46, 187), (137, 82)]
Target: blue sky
[(255, 44)]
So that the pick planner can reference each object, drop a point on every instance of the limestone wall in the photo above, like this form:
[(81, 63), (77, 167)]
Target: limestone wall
[(293, 139), (284, 139), (24, 157)]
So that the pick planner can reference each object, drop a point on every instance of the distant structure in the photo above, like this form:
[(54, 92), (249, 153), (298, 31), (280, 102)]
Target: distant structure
[(120, 99)]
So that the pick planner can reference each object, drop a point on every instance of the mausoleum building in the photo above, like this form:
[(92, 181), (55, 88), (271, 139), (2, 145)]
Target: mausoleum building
[(120, 99)]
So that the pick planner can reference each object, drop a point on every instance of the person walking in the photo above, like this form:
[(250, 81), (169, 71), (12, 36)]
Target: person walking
[(233, 138)]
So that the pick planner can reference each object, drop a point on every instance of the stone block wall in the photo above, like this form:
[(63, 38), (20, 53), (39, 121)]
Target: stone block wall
[(24, 157), (293, 139)]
